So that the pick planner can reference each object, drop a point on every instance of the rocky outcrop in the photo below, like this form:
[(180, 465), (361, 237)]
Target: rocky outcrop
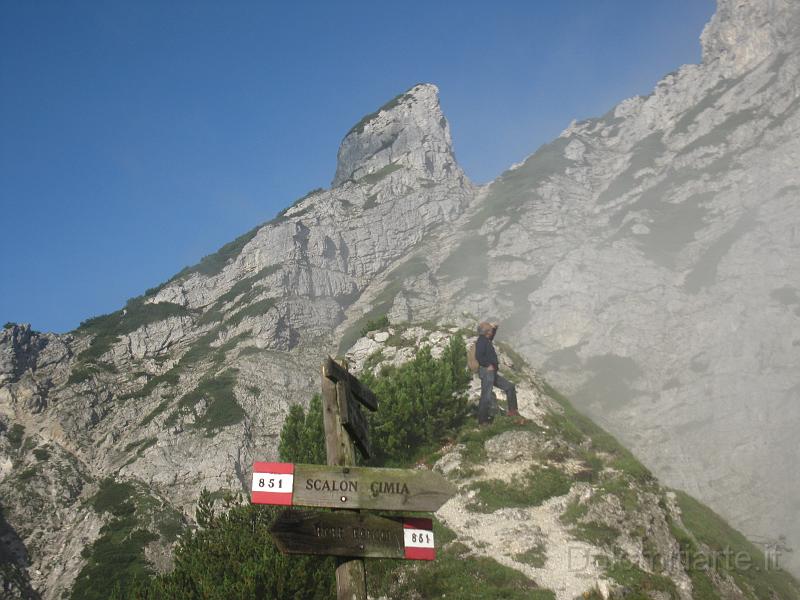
[(22, 349), (408, 132), (741, 34)]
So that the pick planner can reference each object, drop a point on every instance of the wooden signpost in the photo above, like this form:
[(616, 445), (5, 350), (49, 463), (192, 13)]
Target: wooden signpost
[(348, 533), (353, 534), (288, 484)]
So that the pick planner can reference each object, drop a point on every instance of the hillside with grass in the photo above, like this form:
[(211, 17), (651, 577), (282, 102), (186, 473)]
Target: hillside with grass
[(549, 508)]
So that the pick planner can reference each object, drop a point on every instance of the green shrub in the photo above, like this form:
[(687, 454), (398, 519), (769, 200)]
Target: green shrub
[(536, 556), (232, 555), (15, 435), (375, 324), (302, 437), (41, 454), (114, 561), (421, 403), (114, 497)]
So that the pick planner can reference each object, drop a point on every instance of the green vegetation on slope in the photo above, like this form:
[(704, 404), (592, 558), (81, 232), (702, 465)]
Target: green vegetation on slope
[(231, 554), (422, 406), (734, 554), (359, 127), (426, 395), (115, 560), (107, 330)]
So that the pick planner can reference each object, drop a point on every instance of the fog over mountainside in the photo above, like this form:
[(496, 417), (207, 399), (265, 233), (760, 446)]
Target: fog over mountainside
[(646, 262), (649, 261)]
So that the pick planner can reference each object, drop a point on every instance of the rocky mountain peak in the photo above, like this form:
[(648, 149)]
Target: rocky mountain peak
[(744, 32), (407, 132)]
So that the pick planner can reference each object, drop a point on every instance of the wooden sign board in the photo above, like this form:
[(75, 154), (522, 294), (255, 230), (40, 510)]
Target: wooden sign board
[(353, 534), (363, 394), (353, 419), (412, 490)]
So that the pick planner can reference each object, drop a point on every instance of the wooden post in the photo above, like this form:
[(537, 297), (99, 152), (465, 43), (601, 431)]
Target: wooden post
[(351, 579)]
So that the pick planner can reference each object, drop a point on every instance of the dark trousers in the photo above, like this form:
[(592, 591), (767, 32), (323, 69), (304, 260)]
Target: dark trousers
[(490, 379)]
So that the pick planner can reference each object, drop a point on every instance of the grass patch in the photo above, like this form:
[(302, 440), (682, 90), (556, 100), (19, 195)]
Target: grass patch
[(385, 171), (639, 582), (41, 454), (107, 329), (508, 193), (199, 351), (222, 410), (574, 426), (359, 127), (116, 558), (243, 292), (474, 439), (214, 263), (574, 512), (413, 267), (595, 533), (253, 310), (530, 489), (620, 487), (371, 201), (535, 556), (155, 412)]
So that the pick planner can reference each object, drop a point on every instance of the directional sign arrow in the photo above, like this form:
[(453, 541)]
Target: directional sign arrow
[(353, 534), (350, 487)]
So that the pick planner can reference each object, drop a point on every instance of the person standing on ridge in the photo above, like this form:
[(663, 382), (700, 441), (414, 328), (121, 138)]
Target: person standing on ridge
[(487, 359)]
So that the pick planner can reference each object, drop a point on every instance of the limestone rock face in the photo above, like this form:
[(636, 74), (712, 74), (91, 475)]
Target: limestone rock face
[(409, 131), (743, 33)]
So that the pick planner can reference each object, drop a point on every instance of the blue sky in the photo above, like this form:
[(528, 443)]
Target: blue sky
[(137, 137)]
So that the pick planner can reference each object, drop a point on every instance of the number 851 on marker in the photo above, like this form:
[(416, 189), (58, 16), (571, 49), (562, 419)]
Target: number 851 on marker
[(272, 483)]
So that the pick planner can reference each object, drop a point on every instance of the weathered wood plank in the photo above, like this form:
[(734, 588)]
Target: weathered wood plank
[(363, 394), (413, 490), (353, 419), (353, 534)]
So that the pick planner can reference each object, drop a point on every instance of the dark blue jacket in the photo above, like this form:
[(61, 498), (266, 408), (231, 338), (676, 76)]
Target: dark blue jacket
[(484, 352)]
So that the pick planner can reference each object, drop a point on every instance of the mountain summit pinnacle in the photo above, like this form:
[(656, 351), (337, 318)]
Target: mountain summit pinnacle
[(409, 131)]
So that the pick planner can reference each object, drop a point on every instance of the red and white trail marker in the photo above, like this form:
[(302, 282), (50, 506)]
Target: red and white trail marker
[(418, 539), (272, 483)]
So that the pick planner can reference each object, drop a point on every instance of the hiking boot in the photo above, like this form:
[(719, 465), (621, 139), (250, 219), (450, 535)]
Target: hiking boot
[(512, 413)]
